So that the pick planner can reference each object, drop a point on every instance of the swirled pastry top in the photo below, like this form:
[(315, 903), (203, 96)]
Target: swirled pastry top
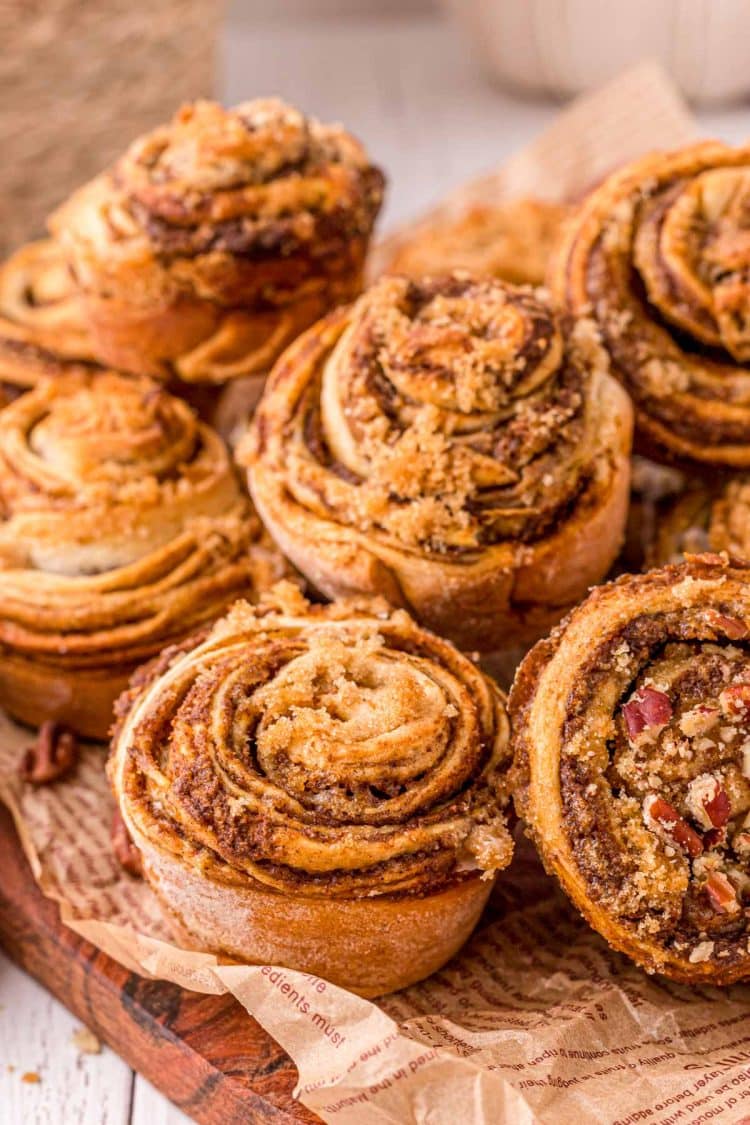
[(122, 525), (337, 750), (258, 181), (39, 303), (660, 256), (443, 416), (634, 751), (96, 470)]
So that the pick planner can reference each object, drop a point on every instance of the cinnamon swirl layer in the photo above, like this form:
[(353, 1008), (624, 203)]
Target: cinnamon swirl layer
[(218, 237), (122, 528), (327, 756), (449, 445), (659, 257), (633, 764)]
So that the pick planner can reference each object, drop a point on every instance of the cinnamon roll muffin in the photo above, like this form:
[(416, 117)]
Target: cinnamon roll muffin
[(215, 239), (122, 528), (632, 765), (659, 256), (451, 445), (320, 787), (42, 334)]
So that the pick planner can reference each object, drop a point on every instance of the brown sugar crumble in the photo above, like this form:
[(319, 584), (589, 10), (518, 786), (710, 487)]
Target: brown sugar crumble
[(454, 413)]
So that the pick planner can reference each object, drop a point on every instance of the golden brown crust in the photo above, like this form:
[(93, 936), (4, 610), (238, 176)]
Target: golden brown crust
[(303, 760), (122, 527), (217, 238), (632, 767), (448, 445), (511, 240), (658, 255)]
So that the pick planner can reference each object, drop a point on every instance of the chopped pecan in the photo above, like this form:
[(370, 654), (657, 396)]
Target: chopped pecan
[(699, 720), (125, 850), (741, 838), (53, 755), (664, 818), (719, 807), (721, 893), (714, 838), (648, 708), (708, 801), (735, 701), (732, 627)]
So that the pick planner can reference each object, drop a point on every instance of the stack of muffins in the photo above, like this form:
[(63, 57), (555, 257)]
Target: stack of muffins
[(283, 640)]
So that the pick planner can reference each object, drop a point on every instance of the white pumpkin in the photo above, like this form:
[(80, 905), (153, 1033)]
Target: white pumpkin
[(565, 46)]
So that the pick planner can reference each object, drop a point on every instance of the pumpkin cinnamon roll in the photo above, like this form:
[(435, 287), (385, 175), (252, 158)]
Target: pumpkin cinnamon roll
[(122, 528), (659, 256), (633, 764), (319, 787), (512, 239), (42, 334), (218, 237), (449, 445)]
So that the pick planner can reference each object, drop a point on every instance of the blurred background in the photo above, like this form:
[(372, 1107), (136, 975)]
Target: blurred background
[(440, 91)]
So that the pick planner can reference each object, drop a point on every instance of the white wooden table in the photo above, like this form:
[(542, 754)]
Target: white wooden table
[(404, 83)]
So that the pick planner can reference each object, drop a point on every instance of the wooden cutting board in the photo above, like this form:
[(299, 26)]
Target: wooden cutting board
[(204, 1052)]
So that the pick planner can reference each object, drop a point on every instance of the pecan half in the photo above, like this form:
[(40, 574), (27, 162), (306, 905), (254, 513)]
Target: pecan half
[(663, 818), (126, 852), (53, 755)]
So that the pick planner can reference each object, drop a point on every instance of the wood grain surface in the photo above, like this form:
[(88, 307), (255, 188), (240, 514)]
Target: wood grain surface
[(204, 1052)]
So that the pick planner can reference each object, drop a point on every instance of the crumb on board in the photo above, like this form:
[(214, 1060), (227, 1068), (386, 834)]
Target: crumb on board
[(86, 1042), (30, 1077)]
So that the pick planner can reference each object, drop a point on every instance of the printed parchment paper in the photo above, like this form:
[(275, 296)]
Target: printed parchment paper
[(536, 1020)]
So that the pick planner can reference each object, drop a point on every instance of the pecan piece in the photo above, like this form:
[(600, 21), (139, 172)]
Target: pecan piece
[(126, 852), (664, 819), (647, 708), (735, 701), (699, 721), (741, 838), (53, 755), (721, 894), (732, 627), (708, 801)]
